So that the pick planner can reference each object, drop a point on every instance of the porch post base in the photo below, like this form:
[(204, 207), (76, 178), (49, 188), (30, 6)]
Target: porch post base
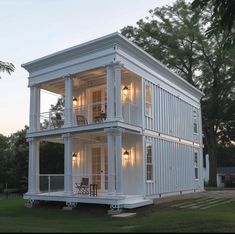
[(70, 206), (114, 209), (31, 203)]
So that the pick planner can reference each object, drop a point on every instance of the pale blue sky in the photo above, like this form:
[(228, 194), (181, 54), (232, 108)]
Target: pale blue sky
[(34, 28)]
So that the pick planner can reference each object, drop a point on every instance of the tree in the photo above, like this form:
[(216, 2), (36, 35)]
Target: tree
[(4, 156), (56, 112), (223, 16), (6, 67), (19, 151), (176, 36)]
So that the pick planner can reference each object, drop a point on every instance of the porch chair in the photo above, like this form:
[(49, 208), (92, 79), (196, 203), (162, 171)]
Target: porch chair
[(81, 120), (83, 186)]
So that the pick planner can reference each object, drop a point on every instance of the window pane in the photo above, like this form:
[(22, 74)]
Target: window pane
[(148, 99), (195, 128), (149, 161), (195, 158), (149, 172), (196, 173), (149, 154)]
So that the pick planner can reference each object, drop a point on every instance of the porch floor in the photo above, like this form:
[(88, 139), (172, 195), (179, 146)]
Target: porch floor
[(121, 201)]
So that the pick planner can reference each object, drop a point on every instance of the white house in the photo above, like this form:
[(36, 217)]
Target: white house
[(132, 125)]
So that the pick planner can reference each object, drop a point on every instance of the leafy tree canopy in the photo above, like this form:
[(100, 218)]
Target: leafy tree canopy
[(177, 36)]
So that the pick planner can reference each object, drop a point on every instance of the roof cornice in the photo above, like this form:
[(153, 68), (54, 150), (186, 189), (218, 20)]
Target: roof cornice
[(110, 40)]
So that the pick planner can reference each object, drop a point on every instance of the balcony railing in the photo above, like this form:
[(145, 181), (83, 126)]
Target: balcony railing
[(50, 183), (89, 114), (131, 113)]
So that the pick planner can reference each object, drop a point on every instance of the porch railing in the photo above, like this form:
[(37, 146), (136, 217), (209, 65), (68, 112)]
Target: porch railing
[(51, 120), (51, 183), (131, 113), (89, 114)]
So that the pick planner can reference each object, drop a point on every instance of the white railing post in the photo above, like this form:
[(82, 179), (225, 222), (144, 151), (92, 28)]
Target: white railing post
[(49, 184)]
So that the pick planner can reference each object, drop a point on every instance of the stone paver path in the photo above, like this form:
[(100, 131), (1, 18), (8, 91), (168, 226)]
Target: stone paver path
[(202, 200), (203, 203)]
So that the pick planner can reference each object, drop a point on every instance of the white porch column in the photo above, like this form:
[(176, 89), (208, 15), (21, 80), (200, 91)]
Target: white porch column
[(68, 189), (34, 117), (68, 100), (33, 171), (118, 100), (110, 92), (118, 154), (111, 172)]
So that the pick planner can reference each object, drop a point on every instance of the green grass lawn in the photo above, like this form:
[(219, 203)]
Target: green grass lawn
[(14, 217)]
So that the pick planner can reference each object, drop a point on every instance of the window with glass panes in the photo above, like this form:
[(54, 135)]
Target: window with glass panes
[(149, 161), (148, 100)]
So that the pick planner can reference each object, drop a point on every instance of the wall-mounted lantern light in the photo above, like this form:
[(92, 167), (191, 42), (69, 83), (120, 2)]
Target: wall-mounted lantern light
[(74, 156), (75, 101), (125, 90), (126, 155)]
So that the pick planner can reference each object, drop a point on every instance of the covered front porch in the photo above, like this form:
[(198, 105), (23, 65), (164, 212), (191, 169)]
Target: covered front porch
[(110, 160)]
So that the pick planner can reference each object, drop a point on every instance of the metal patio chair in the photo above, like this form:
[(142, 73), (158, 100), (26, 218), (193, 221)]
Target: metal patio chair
[(83, 187)]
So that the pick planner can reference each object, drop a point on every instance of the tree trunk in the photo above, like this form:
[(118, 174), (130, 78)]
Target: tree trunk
[(211, 142)]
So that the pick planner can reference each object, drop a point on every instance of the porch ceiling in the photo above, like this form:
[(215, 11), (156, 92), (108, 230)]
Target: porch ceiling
[(88, 138), (82, 80)]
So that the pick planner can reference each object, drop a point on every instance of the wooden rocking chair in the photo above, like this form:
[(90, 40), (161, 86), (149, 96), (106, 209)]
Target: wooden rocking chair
[(83, 186)]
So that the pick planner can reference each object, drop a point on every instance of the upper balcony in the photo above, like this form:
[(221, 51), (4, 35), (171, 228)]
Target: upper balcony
[(93, 99)]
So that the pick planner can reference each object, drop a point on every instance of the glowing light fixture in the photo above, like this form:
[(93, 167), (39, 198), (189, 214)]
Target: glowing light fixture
[(75, 101), (126, 155), (74, 156), (125, 90)]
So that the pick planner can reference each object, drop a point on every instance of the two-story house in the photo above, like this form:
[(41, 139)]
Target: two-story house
[(131, 128)]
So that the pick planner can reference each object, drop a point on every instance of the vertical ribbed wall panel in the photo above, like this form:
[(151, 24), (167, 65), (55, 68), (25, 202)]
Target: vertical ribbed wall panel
[(173, 167), (171, 115)]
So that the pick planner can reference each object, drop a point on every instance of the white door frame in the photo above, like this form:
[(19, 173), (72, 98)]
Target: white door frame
[(102, 165)]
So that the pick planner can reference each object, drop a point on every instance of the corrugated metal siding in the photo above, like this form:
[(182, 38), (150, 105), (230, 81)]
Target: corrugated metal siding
[(173, 167), (171, 115)]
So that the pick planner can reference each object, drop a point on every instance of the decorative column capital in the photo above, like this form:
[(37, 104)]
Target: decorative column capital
[(30, 139), (67, 76), (115, 64), (118, 65), (66, 135)]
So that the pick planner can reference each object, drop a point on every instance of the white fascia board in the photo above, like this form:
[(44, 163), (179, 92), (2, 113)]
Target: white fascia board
[(75, 61), (128, 49), (71, 69), (71, 53)]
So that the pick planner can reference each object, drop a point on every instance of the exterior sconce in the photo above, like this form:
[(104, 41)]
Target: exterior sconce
[(74, 156), (125, 90), (75, 101), (126, 155)]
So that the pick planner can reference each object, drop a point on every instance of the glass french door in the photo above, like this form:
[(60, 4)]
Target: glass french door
[(98, 104), (100, 167)]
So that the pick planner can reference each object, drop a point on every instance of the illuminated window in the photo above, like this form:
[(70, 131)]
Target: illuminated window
[(148, 100), (195, 120), (149, 162)]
